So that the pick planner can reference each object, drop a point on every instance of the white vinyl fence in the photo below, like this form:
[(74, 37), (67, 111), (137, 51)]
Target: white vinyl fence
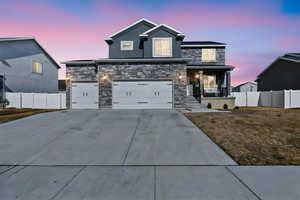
[(275, 99), (36, 100)]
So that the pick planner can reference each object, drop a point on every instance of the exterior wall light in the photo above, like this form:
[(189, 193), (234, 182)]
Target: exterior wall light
[(197, 76), (180, 76), (104, 77)]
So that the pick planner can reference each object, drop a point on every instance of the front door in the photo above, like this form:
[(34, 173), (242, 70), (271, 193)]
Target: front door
[(197, 90)]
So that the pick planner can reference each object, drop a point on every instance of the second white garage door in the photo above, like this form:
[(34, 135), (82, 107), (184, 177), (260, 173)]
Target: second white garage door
[(142, 95)]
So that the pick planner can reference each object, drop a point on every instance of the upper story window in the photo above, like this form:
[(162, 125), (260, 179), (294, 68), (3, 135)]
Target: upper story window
[(162, 47), (126, 45), (37, 67), (209, 55)]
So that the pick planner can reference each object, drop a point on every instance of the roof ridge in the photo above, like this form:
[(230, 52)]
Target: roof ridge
[(161, 25), (129, 26)]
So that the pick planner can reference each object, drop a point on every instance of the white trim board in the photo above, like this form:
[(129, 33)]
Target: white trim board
[(145, 34), (131, 25), (171, 46)]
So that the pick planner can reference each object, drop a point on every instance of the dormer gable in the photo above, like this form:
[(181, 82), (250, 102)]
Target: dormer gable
[(144, 21)]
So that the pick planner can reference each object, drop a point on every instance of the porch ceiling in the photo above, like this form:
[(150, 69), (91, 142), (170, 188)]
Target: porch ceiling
[(226, 67)]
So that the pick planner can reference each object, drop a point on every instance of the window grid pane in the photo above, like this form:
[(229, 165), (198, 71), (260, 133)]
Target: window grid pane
[(208, 55), (162, 47)]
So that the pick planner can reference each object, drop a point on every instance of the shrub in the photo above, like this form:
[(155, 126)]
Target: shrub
[(225, 107)]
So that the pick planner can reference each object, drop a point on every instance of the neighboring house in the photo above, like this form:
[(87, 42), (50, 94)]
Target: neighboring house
[(246, 87), (149, 66), (27, 67), (2, 87), (282, 74)]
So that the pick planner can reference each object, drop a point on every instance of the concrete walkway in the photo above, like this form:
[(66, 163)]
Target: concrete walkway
[(128, 155)]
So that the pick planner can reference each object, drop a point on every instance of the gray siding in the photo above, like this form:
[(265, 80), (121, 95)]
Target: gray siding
[(19, 76), (282, 75), (176, 51), (196, 55), (132, 34)]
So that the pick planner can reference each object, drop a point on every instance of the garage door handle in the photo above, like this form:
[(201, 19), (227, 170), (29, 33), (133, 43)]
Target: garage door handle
[(142, 102)]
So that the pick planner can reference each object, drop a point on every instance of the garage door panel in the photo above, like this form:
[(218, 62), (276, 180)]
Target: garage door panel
[(143, 95), (85, 95)]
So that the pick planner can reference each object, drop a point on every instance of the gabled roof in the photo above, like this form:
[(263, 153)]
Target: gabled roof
[(202, 44), (249, 82), (143, 20), (292, 57), (30, 50), (172, 30)]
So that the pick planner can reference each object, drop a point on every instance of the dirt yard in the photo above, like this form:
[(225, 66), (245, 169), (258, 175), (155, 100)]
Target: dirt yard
[(7, 115), (255, 136)]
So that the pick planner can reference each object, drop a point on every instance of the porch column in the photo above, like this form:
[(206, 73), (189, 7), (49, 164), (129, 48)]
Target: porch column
[(228, 81), (201, 83)]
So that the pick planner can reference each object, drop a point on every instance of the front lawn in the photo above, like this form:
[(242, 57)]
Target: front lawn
[(10, 114), (255, 136)]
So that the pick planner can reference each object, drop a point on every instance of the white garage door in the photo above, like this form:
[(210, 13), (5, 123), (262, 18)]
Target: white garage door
[(142, 94), (85, 95)]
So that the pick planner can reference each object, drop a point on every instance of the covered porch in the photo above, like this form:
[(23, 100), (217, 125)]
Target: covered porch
[(208, 81)]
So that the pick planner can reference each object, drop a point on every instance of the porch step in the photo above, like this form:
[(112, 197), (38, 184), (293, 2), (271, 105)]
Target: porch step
[(192, 103)]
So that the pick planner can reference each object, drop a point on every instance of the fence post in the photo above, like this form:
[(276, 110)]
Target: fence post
[(246, 99), (290, 102), (271, 103), (47, 101), (21, 100)]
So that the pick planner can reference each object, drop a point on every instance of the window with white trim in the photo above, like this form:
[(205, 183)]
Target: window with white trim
[(209, 55), (162, 47), (37, 67), (126, 45)]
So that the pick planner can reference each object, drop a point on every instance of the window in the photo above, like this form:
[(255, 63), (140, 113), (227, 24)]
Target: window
[(209, 55), (162, 47), (37, 67), (126, 45), (210, 81)]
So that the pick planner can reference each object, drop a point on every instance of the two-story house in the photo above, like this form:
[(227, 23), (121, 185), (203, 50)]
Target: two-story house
[(25, 66), (149, 66)]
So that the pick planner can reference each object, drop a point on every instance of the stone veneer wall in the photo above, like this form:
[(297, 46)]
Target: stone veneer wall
[(78, 73), (140, 71), (196, 55)]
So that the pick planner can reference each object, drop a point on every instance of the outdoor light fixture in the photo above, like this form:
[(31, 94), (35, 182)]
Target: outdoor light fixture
[(197, 76), (104, 77), (179, 76)]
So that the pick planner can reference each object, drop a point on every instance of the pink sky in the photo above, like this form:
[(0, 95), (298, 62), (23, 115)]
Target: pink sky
[(255, 34)]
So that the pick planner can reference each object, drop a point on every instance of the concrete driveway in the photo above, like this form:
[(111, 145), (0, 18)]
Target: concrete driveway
[(108, 137), (128, 155)]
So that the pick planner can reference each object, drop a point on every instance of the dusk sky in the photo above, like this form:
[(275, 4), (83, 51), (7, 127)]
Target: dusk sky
[(256, 31)]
